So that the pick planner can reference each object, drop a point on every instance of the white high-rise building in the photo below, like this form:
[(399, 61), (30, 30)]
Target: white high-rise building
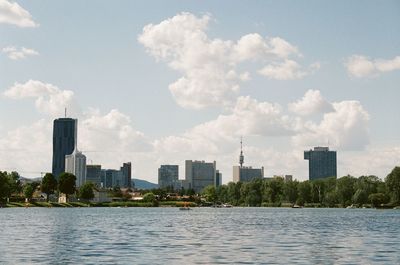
[(75, 163)]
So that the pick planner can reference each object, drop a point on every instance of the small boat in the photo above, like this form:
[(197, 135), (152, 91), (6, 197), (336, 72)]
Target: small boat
[(226, 205), (296, 206), (351, 207)]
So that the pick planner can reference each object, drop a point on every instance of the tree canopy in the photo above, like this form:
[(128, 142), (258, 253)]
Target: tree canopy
[(67, 183), (86, 191), (48, 185)]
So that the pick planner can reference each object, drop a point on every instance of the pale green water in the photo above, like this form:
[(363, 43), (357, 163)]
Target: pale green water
[(200, 236)]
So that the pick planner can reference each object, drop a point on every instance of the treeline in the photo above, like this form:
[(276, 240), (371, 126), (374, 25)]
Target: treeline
[(328, 192), (11, 185)]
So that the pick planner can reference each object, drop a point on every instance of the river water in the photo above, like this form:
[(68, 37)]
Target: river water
[(199, 236)]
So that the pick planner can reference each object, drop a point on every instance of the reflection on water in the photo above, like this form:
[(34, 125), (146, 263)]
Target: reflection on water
[(200, 236)]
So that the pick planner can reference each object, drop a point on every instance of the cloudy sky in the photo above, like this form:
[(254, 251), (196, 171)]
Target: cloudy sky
[(158, 82)]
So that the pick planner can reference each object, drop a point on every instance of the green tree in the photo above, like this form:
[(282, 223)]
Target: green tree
[(360, 197), (29, 189), (234, 193), (86, 191), (48, 185), (367, 183), (304, 189), (5, 185), (331, 198), (318, 190), (290, 191), (222, 193), (393, 185), (15, 182), (210, 193), (67, 184), (377, 199), (273, 190), (345, 189), (150, 197)]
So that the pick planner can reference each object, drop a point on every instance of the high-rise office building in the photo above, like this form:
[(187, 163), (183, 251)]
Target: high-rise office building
[(168, 176), (218, 181), (75, 163), (200, 174), (321, 163), (242, 173), (93, 174), (64, 142), (126, 170)]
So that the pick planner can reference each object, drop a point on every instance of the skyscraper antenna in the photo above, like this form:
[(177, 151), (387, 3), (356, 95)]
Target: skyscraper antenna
[(65, 112)]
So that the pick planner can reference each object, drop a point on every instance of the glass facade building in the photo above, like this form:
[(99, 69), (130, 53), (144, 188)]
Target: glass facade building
[(64, 142), (321, 163), (168, 176)]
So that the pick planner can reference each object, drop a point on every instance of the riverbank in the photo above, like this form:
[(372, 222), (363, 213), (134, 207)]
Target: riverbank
[(103, 204)]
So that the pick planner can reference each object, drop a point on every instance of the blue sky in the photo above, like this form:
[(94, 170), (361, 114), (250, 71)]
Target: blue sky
[(311, 73)]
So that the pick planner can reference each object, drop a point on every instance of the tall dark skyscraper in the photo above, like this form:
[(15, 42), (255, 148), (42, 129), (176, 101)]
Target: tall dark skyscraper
[(321, 163), (64, 142)]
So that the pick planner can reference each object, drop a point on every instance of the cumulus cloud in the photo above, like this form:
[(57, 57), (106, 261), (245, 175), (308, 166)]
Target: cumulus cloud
[(27, 148), (12, 13), (16, 54), (209, 67), (346, 128), (218, 139), (49, 98), (312, 102), (363, 66), (287, 70), (111, 133)]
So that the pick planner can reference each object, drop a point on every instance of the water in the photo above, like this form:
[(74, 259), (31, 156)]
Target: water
[(200, 236)]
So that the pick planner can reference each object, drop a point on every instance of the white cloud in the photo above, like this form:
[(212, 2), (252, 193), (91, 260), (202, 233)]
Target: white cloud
[(209, 67), (110, 133), (287, 70), (17, 54), (375, 160), (12, 13), (49, 98), (362, 66), (346, 128), (312, 102), (27, 148)]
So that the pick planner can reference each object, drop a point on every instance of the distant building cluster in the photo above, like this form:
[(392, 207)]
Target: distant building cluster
[(67, 158), (198, 174)]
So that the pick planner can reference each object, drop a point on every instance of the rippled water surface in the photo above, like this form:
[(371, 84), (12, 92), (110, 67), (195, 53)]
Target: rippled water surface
[(199, 236)]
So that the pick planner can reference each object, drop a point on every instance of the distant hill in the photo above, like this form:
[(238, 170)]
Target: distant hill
[(30, 180), (144, 184)]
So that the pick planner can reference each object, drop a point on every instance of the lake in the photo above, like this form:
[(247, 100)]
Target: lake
[(199, 236)]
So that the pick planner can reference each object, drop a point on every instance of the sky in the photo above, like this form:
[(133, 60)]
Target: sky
[(161, 82)]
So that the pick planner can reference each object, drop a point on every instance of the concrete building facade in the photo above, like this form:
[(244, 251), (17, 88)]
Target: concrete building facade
[(244, 174), (321, 163), (200, 174)]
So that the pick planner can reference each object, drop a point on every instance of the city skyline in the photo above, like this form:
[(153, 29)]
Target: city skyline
[(187, 80)]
